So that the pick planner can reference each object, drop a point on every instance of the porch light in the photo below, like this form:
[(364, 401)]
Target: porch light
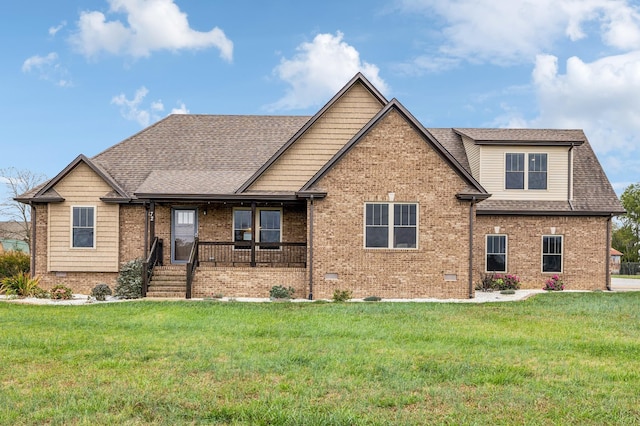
[(496, 229), (392, 196), (553, 230)]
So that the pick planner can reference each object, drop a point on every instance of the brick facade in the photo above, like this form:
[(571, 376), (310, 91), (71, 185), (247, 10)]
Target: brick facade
[(392, 158), (248, 282), (585, 250)]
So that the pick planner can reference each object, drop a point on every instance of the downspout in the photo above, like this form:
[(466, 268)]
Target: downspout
[(473, 201), (608, 255), (311, 248), (33, 240), (146, 231)]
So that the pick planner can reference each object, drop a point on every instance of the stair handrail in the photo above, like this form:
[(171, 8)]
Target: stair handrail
[(191, 266), (154, 259)]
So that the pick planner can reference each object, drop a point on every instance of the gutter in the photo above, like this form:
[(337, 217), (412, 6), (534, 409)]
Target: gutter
[(471, 293), (33, 240), (608, 256), (311, 247)]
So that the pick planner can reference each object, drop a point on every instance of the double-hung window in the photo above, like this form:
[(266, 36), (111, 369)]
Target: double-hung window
[(496, 253), (521, 174), (83, 227), (391, 225), (552, 253)]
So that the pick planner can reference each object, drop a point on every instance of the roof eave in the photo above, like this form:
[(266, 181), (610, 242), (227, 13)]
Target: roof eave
[(216, 197), (528, 143), (472, 196), (605, 213)]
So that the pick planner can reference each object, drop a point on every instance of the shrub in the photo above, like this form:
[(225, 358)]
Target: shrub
[(61, 292), (491, 282), (101, 291), (341, 295), (281, 292), (130, 280), (372, 299), (554, 283), (13, 263), (21, 285)]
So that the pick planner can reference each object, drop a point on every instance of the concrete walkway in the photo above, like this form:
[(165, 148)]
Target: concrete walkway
[(625, 284)]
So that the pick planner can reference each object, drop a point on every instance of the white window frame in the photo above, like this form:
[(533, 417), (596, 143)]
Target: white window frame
[(543, 254), (72, 226), (526, 171), (506, 252), (255, 222), (391, 225)]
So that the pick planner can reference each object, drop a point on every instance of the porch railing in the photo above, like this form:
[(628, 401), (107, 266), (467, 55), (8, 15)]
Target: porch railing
[(191, 266), (244, 253), (154, 259)]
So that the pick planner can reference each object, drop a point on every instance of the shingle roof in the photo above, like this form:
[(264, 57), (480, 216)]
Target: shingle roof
[(214, 154), (522, 135)]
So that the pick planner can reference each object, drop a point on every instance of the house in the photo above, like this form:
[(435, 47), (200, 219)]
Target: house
[(616, 257), (359, 196)]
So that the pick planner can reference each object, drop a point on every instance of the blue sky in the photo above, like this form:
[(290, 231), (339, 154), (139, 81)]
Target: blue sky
[(80, 76)]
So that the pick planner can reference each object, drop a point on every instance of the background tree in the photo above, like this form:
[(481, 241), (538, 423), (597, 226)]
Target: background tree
[(627, 236), (16, 183)]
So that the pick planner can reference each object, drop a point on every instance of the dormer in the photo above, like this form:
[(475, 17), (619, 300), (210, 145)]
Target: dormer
[(523, 164)]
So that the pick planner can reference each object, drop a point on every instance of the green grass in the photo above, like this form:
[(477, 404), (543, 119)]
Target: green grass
[(637, 277), (563, 358)]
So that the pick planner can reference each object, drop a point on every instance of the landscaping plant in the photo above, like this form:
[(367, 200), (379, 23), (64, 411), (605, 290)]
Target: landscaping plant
[(341, 295), (21, 285), (13, 263), (281, 292), (130, 280), (61, 292), (100, 292), (555, 283)]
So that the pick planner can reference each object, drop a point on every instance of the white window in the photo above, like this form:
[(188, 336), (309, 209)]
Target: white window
[(400, 232), (552, 253), (83, 230), (496, 253), (531, 174)]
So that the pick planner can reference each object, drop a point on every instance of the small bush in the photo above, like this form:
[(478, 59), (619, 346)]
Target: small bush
[(101, 291), (554, 283), (510, 291), (341, 295), (491, 282), (61, 292), (372, 299), (13, 263), (21, 285), (130, 280), (281, 292)]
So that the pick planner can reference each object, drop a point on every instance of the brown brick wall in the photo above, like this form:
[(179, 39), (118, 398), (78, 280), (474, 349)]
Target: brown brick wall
[(392, 157), (131, 233), (585, 248), (247, 282)]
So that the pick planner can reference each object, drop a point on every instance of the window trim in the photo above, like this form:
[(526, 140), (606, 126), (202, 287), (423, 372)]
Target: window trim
[(506, 252), (390, 225), (72, 227), (542, 254), (525, 171)]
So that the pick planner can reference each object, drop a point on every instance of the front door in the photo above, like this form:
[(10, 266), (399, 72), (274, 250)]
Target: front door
[(184, 226)]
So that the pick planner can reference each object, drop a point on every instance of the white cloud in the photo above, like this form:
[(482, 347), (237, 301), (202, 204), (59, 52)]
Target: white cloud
[(47, 68), (54, 30), (132, 109), (151, 25), (320, 69), (506, 32), (135, 109), (181, 109)]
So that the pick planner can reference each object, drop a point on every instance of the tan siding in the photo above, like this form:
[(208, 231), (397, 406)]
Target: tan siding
[(492, 172), (83, 187), (473, 154), (316, 147)]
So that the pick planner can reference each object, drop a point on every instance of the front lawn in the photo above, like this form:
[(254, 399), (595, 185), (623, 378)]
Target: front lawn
[(564, 358)]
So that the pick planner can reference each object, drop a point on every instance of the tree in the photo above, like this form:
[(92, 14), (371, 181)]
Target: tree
[(17, 182), (628, 234)]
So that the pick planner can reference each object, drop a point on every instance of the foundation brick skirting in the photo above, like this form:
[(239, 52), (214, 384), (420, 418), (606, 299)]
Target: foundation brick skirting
[(248, 282)]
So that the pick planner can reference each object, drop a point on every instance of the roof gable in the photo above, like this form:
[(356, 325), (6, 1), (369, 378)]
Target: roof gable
[(473, 187), (47, 192), (357, 79)]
